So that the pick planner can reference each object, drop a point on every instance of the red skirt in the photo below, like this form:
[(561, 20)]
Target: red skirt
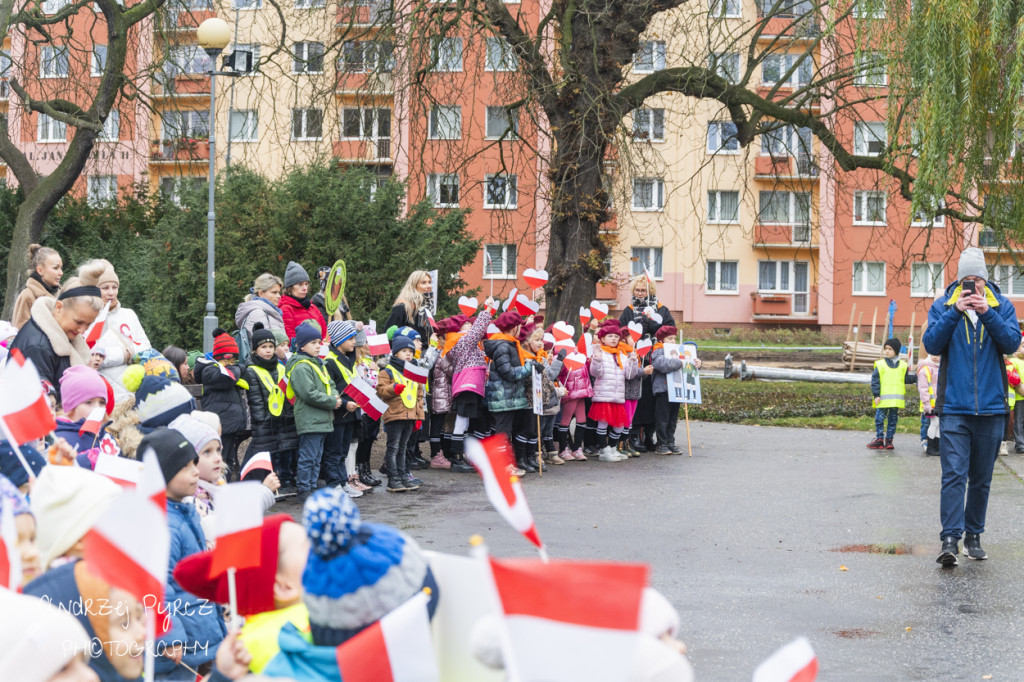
[(612, 413)]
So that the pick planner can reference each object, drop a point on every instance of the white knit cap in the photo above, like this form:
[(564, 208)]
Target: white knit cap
[(972, 262), (39, 639), (66, 502)]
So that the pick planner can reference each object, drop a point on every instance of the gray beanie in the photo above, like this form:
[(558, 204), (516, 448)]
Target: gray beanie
[(972, 262), (294, 274)]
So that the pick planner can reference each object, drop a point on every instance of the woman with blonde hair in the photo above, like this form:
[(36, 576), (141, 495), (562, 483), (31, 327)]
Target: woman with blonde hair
[(44, 273), (261, 305), (412, 304)]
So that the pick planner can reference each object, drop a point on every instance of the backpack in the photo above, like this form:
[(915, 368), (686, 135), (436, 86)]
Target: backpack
[(244, 347)]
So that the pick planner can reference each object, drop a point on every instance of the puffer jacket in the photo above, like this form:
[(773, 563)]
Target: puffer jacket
[(972, 375), (441, 385), (577, 383), (314, 402), (386, 392), (42, 341), (260, 310), (468, 362), (508, 381), (927, 376), (266, 428), (662, 365), (225, 397), (609, 378), (294, 312)]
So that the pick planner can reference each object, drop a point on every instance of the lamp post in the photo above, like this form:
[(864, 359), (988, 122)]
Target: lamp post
[(213, 35)]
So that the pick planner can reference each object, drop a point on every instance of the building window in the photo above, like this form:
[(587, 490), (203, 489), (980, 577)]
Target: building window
[(244, 125), (869, 208), (869, 139), (499, 261), (500, 191), (722, 138), (309, 4), (785, 208), (775, 275), (648, 194), (102, 190), (246, 4), (786, 140), (869, 278), (722, 276), (53, 62), (51, 130), (111, 127), (445, 122), (650, 58), (99, 60), (367, 57), (307, 124), (875, 9), (870, 70), (725, 9), (186, 59), (308, 57), (443, 189), (177, 124), (500, 56), (365, 124), (723, 206), (926, 279), (649, 256), (778, 69), (726, 65), (446, 54), (649, 124), (925, 217), (502, 122), (1009, 279), (54, 6), (174, 188)]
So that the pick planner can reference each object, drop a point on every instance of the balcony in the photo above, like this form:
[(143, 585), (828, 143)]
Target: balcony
[(180, 150), (795, 21), (369, 151), (364, 83), (796, 235), (192, 85), (782, 308), (799, 167), (363, 14)]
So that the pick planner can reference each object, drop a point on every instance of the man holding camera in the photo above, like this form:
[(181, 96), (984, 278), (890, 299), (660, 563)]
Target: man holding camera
[(972, 326)]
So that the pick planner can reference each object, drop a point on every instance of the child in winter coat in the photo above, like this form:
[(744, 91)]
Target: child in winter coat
[(24, 525), (666, 413), (340, 363), (465, 357), (532, 338), (449, 332), (888, 386), (634, 388), (508, 388), (287, 436), (224, 395), (578, 390), (367, 369), (405, 407), (265, 378), (84, 391), (927, 379), (316, 398), (295, 303), (610, 368)]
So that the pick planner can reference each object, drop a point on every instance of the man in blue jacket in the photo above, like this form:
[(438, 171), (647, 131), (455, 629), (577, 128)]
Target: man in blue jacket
[(972, 333)]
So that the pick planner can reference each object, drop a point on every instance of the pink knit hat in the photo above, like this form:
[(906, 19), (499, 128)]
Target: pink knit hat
[(79, 384)]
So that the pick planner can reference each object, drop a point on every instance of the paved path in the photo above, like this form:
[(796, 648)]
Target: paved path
[(747, 539)]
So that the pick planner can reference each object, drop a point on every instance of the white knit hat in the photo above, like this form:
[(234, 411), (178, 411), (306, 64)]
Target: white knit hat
[(66, 502), (39, 639)]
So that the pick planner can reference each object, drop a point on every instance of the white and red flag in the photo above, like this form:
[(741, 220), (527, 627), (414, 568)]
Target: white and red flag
[(795, 662), (585, 628), (259, 462), (10, 555), (414, 372), (94, 422), (123, 471), (366, 398), (378, 344), (96, 329), (643, 347), (151, 482), (397, 648), (492, 457), (585, 316), (23, 406), (237, 527), (585, 345)]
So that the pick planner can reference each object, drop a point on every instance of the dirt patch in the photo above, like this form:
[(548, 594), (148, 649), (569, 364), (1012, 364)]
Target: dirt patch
[(887, 548), (855, 633)]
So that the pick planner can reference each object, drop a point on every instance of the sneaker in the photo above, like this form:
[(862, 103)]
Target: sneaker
[(396, 485), (411, 483), (350, 491), (972, 547), (1003, 450), (888, 444), (590, 450), (662, 450), (554, 459), (950, 548), (355, 484), (876, 444), (567, 455), (674, 449), (609, 454), (513, 470), (924, 444), (439, 461), (579, 456)]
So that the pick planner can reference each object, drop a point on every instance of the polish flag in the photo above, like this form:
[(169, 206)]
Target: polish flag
[(237, 527), (151, 482), (325, 348), (366, 398), (585, 345), (95, 330), (226, 372), (430, 318), (258, 462), (584, 628), (378, 344), (492, 457), (94, 422), (643, 347), (123, 471), (10, 555), (415, 373), (23, 406), (650, 280), (795, 662), (397, 648), (585, 316)]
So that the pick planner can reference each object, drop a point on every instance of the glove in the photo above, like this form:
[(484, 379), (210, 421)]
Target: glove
[(1013, 377), (418, 425), (562, 353), (399, 388)]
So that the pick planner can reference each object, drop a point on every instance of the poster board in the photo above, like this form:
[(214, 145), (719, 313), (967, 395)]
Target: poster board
[(538, 393), (684, 383)]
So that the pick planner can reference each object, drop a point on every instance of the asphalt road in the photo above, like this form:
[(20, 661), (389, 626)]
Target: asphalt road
[(749, 540)]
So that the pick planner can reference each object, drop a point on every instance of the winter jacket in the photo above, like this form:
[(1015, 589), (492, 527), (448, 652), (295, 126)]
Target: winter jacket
[(260, 310), (42, 341), (421, 324), (508, 384), (663, 365), (468, 362), (89, 445), (201, 620), (441, 385), (577, 383), (34, 290), (295, 312), (972, 375), (609, 378), (299, 659), (552, 400), (342, 415), (266, 428), (396, 406), (876, 379), (122, 332), (225, 396), (314, 402), (927, 377), (629, 314), (260, 632)]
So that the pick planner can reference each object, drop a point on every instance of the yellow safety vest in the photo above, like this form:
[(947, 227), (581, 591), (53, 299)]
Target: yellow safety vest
[(931, 390), (1018, 365), (275, 396), (320, 372), (408, 395), (894, 391), (346, 374)]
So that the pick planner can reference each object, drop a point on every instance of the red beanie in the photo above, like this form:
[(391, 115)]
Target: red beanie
[(508, 320), (526, 330), (455, 322), (664, 332), (255, 586), (609, 327), (223, 344)]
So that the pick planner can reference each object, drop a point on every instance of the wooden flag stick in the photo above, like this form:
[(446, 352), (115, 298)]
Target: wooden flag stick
[(686, 413), (149, 660), (849, 328), (856, 340), (874, 319), (540, 460), (233, 600)]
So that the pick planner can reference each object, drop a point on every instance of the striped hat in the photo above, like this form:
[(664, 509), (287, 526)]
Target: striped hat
[(340, 331), (223, 344)]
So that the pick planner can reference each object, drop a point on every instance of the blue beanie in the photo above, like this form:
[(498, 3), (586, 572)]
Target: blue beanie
[(159, 400), (404, 337), (10, 465), (340, 331), (306, 332), (356, 572)]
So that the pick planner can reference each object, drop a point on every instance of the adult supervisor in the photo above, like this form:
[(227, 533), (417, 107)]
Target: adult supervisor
[(972, 333)]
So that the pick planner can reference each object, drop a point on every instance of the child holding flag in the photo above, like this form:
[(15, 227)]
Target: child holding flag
[(610, 367), (405, 408), (85, 394), (224, 395), (340, 363), (265, 377), (508, 391)]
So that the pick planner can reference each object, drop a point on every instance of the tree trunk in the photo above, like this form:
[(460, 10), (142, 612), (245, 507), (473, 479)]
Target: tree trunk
[(28, 228)]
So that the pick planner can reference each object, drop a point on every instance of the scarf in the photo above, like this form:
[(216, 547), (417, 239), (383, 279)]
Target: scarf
[(49, 289), (267, 301), (523, 357), (616, 351), (450, 340)]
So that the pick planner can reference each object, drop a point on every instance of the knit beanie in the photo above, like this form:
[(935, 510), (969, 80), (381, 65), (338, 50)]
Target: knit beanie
[(39, 638), (279, 336), (294, 274), (609, 327), (895, 344), (159, 400), (665, 332), (260, 336), (223, 344), (508, 320), (972, 262), (211, 419), (340, 331), (66, 502), (356, 572), (108, 276), (172, 449), (10, 492), (196, 431), (306, 332), (81, 384), (11, 467)]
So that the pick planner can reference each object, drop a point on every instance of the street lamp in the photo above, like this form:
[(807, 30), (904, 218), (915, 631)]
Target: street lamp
[(214, 35)]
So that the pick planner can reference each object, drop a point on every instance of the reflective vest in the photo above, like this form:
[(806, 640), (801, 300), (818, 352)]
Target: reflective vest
[(275, 396), (408, 395), (894, 391), (1017, 364), (931, 389), (346, 373), (320, 372)]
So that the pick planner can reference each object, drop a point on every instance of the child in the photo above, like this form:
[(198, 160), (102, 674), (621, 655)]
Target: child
[(553, 392), (532, 338), (440, 396), (41, 641), (610, 367), (889, 387), (405, 407), (99, 354), (927, 379), (265, 378), (634, 389), (288, 437), (316, 398), (367, 369), (66, 501), (25, 524), (12, 468), (223, 394), (197, 627), (508, 392), (340, 363), (666, 413), (578, 390), (83, 390), (1017, 360), (468, 366)]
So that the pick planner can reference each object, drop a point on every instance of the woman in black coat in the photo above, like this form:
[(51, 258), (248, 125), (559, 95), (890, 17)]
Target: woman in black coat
[(412, 304)]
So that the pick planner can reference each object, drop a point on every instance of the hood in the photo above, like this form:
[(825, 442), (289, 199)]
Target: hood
[(292, 302), (246, 308), (491, 346), (994, 293), (269, 365)]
